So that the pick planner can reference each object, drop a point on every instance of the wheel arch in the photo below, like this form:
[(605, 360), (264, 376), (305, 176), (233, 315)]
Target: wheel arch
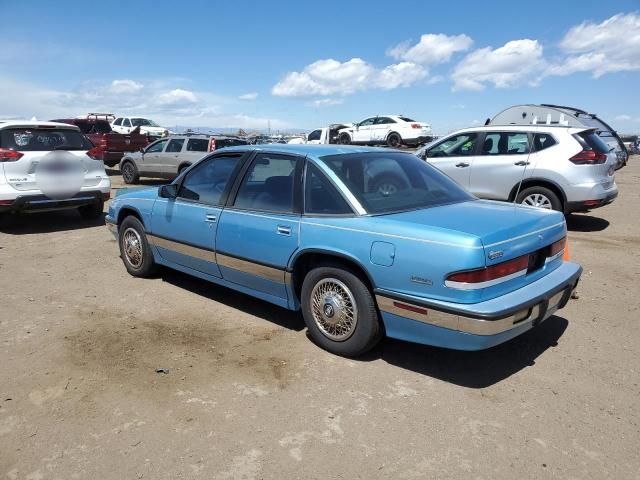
[(305, 260), (184, 165), (127, 211), (539, 182)]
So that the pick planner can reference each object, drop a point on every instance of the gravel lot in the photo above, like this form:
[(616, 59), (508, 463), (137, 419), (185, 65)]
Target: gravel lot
[(247, 395)]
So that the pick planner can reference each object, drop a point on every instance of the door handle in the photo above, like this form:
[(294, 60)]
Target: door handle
[(211, 218), (462, 165), (284, 230), (521, 163)]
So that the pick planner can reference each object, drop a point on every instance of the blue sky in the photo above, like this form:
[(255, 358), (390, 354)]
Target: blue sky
[(306, 64)]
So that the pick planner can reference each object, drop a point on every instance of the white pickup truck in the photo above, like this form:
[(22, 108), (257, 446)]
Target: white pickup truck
[(322, 135)]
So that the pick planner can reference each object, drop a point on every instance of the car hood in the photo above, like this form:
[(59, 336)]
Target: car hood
[(153, 129), (131, 193), (505, 230)]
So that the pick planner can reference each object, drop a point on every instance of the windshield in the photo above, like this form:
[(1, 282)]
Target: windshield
[(391, 182), (143, 122), (97, 126), (43, 139)]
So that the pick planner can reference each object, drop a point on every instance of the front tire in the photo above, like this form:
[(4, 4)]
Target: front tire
[(134, 249), (340, 312), (540, 197), (344, 139), (130, 173)]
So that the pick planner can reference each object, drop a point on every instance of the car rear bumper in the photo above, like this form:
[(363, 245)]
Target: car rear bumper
[(479, 325), (40, 203), (417, 140), (591, 203)]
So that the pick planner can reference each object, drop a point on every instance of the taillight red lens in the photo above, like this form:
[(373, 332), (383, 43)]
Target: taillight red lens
[(95, 153), (588, 157), (415, 125), (7, 155), (212, 144), (493, 272), (557, 247)]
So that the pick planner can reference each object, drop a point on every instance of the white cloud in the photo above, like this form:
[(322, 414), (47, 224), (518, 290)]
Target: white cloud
[(401, 74), (248, 96), (157, 100), (623, 118), (176, 97), (516, 63), (610, 46), (125, 86), (325, 102), (330, 77), (431, 49)]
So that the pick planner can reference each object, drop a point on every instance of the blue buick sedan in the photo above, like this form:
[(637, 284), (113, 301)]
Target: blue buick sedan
[(365, 242)]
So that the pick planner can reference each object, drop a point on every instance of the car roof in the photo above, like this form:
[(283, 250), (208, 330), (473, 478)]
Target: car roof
[(34, 123), (306, 149), (518, 128)]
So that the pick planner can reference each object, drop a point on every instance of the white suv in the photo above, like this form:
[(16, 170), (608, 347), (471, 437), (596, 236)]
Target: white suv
[(50, 166), (569, 169), (391, 130), (147, 127)]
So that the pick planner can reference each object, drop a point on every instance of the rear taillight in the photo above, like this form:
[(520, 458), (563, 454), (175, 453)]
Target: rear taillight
[(7, 155), (95, 153), (103, 142), (588, 157), (557, 248), (415, 125), (212, 144), (488, 276)]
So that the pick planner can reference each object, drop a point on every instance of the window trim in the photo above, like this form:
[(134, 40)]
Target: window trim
[(148, 147), (333, 184), (297, 184)]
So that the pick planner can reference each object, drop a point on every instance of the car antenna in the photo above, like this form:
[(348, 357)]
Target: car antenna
[(526, 163)]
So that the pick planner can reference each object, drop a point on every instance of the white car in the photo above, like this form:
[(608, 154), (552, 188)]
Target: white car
[(50, 166), (391, 130), (147, 127)]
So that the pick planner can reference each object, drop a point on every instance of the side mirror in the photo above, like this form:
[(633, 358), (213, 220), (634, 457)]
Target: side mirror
[(142, 149), (168, 191)]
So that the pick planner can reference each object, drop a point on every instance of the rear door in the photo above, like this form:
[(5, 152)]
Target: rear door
[(454, 156), (381, 128), (170, 158), (184, 229), (504, 160), (259, 231)]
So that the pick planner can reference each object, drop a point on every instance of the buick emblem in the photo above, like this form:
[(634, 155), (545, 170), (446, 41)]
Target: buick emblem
[(328, 310)]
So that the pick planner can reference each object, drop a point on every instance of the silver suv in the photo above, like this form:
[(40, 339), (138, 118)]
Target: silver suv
[(169, 156), (561, 168)]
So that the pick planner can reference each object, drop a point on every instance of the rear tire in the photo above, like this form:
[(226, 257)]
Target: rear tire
[(340, 312), (540, 197), (134, 249), (344, 139), (394, 140), (93, 211), (130, 173)]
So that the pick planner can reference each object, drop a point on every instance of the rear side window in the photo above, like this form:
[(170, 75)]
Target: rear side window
[(126, 122), (198, 145), (542, 141), (269, 184), (321, 197), (406, 119), (591, 141), (43, 139), (175, 145), (505, 143)]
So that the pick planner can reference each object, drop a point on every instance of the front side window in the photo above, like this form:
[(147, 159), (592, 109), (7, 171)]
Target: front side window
[(393, 181), (505, 143), (268, 184), (43, 139), (117, 121), (320, 196), (315, 135), (175, 145), (198, 145), (367, 122), (157, 147), (456, 146), (206, 182), (142, 122)]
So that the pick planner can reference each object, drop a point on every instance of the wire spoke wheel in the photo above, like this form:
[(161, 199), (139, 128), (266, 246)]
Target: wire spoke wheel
[(537, 200), (334, 309), (132, 247)]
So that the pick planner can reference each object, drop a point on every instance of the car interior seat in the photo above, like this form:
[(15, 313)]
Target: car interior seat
[(487, 146), (277, 194)]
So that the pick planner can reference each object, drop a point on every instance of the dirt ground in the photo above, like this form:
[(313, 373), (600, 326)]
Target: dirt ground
[(246, 395)]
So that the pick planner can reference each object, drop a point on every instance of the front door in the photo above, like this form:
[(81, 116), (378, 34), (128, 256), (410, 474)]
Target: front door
[(503, 161), (362, 131), (454, 156), (258, 232), (184, 228), (151, 157)]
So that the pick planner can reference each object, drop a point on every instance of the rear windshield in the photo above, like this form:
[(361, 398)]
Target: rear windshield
[(89, 127), (591, 141), (43, 139), (392, 182)]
